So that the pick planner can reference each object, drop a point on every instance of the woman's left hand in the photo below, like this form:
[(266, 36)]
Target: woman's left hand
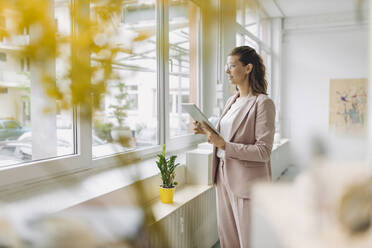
[(214, 138)]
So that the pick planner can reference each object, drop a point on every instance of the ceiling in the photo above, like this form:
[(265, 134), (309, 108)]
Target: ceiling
[(294, 8)]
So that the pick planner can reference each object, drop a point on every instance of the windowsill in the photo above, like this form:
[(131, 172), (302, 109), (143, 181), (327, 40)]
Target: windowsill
[(57, 194)]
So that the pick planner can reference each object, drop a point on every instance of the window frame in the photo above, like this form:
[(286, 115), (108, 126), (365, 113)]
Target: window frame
[(266, 45), (261, 44), (40, 170), (188, 139)]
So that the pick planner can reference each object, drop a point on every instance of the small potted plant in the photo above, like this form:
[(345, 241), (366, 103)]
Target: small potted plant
[(167, 167)]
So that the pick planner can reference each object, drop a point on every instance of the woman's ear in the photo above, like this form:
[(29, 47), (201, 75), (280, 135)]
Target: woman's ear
[(249, 68)]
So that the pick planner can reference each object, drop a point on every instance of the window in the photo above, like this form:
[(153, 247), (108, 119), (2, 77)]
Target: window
[(133, 105), (183, 63), (254, 30), (129, 111), (33, 135), (266, 57), (247, 15)]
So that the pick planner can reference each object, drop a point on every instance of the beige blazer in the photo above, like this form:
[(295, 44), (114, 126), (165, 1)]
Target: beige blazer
[(248, 147)]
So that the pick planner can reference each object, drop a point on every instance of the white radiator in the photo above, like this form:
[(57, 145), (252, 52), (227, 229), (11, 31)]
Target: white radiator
[(193, 224)]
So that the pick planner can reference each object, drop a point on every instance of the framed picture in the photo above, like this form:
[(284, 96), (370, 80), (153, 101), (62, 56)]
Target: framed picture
[(348, 106)]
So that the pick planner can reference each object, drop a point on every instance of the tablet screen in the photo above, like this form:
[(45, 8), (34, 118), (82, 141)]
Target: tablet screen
[(197, 115)]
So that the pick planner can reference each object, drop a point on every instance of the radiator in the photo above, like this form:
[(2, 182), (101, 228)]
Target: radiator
[(194, 224)]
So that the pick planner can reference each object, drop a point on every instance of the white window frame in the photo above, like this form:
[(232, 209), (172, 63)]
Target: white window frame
[(268, 49), (22, 174), (177, 143)]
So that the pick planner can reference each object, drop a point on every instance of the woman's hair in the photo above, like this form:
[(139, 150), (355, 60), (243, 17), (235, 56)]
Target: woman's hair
[(257, 77)]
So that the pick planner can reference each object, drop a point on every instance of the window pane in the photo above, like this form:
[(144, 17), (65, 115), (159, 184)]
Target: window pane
[(251, 22), (129, 109), (266, 57), (251, 17), (239, 39), (265, 28), (240, 12), (29, 133), (183, 63), (249, 42)]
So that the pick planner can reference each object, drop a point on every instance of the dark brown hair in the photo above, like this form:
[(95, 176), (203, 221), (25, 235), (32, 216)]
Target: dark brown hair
[(257, 77)]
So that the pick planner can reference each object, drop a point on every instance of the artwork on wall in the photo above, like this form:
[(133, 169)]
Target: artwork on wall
[(348, 106)]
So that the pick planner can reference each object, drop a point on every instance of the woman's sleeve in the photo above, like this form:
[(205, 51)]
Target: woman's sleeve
[(260, 151)]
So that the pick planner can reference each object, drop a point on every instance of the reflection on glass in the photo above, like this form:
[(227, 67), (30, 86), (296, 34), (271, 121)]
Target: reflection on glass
[(26, 132), (183, 63), (129, 109)]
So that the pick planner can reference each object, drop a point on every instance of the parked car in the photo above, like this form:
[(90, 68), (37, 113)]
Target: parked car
[(11, 130)]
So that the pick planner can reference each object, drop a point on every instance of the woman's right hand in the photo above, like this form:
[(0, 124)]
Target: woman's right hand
[(198, 129)]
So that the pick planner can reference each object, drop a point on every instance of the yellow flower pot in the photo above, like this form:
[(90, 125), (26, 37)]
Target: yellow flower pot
[(166, 195)]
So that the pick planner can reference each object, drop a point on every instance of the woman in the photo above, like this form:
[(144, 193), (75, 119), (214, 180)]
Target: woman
[(241, 154)]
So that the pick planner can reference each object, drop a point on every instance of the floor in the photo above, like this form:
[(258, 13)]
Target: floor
[(287, 176)]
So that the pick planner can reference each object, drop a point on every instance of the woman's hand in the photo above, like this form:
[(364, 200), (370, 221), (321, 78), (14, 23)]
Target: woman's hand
[(214, 138), (198, 129)]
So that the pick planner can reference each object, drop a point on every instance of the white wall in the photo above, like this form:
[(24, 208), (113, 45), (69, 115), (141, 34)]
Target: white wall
[(311, 57)]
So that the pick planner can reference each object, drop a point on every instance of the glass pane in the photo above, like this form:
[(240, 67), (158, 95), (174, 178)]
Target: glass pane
[(240, 12), (265, 29), (267, 61), (129, 109), (29, 132), (239, 39), (251, 17), (183, 63), (249, 42)]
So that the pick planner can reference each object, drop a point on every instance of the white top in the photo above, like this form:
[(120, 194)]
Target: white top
[(227, 120)]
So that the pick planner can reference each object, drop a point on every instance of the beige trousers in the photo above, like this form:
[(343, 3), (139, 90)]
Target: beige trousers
[(233, 215)]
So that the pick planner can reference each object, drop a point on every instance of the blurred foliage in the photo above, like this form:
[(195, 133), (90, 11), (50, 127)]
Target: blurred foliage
[(91, 52), (92, 42), (355, 211)]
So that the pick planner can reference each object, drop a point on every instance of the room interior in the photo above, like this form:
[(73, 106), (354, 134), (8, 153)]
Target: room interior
[(91, 93)]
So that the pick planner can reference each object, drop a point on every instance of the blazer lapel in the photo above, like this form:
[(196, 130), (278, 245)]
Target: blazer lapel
[(241, 115), (226, 109)]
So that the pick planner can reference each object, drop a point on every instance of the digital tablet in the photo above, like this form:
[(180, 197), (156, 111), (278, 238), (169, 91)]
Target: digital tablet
[(197, 115)]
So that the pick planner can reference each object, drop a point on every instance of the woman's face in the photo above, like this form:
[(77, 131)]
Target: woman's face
[(236, 71)]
